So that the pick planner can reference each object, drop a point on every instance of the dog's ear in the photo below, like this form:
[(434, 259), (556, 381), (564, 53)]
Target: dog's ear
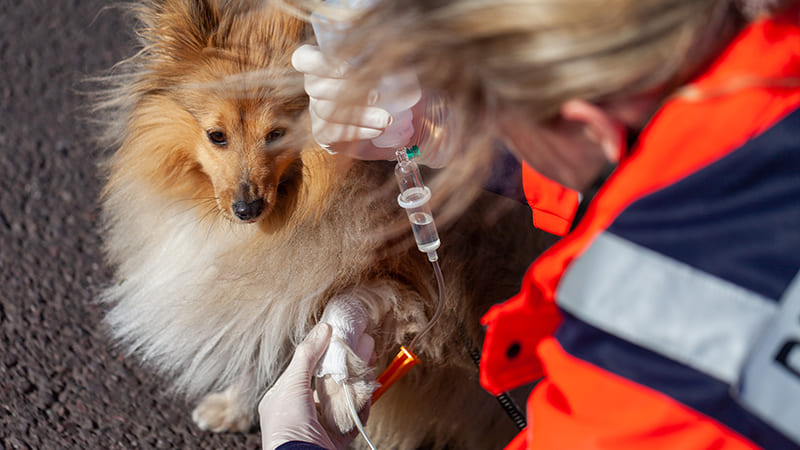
[(252, 27), (177, 29)]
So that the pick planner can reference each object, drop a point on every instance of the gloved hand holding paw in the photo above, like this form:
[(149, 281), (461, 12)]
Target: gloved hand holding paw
[(288, 411)]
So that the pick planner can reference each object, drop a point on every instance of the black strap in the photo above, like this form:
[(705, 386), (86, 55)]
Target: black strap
[(509, 406)]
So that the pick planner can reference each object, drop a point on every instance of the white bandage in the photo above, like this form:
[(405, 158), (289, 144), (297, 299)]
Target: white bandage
[(348, 320)]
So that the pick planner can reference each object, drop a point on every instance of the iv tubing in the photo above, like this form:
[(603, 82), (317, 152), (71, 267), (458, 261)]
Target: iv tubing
[(356, 419), (439, 305), (414, 196)]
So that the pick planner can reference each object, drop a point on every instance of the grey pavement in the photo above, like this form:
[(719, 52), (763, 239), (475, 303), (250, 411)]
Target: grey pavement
[(63, 384)]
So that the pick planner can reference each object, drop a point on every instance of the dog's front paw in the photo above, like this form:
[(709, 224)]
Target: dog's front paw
[(334, 412), (345, 364), (223, 411)]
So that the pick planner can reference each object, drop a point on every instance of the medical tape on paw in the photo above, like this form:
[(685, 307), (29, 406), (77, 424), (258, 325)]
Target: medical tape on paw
[(348, 320)]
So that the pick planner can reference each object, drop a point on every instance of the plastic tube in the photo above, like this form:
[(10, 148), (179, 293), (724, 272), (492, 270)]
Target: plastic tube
[(437, 271), (406, 359), (356, 419)]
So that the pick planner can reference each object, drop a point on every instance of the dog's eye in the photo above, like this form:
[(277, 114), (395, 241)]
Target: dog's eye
[(274, 135), (217, 137)]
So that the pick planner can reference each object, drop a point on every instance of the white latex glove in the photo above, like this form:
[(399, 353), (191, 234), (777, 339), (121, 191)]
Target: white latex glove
[(288, 411), (336, 119)]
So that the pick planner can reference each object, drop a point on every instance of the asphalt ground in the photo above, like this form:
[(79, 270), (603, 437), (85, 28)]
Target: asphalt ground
[(63, 385)]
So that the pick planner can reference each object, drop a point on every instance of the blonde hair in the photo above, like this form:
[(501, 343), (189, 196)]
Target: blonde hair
[(534, 55), (538, 54)]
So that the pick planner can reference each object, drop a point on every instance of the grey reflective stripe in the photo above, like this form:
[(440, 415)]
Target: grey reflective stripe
[(770, 382), (664, 305)]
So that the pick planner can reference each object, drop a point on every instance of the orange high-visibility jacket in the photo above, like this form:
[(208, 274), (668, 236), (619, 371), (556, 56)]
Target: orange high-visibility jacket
[(670, 317), (553, 206)]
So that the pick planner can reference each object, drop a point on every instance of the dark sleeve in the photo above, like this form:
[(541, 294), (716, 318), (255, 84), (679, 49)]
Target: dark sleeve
[(297, 445), (505, 177)]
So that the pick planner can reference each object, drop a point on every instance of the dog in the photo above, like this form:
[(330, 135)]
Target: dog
[(230, 232)]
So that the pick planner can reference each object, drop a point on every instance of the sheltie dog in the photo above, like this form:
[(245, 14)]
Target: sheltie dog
[(230, 231)]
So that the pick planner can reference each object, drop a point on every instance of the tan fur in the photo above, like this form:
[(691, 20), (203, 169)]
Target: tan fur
[(216, 303)]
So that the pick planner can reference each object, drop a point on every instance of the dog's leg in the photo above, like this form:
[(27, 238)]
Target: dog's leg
[(346, 364), (334, 411), (224, 411)]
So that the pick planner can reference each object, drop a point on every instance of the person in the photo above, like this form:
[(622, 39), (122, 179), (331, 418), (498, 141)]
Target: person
[(669, 316)]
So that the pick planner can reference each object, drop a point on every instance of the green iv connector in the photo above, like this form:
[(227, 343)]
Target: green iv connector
[(413, 152)]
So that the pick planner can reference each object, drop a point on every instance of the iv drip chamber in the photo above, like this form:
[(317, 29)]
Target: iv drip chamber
[(414, 197)]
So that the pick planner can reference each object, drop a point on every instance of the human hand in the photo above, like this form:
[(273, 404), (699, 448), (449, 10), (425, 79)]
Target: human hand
[(336, 118), (288, 411)]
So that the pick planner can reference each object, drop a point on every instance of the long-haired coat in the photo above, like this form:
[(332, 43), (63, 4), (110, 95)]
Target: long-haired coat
[(230, 231)]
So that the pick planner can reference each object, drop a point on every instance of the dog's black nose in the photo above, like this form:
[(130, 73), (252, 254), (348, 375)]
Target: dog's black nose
[(248, 210)]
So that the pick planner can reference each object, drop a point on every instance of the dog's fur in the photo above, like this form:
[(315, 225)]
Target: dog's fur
[(218, 302)]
